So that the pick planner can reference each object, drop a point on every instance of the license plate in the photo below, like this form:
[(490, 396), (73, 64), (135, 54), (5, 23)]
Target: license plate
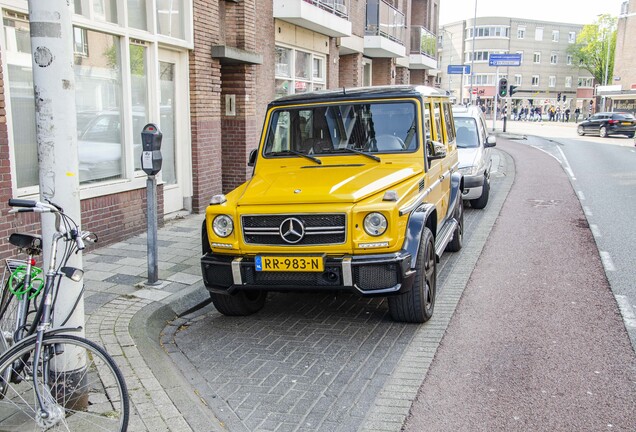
[(289, 263), (626, 123)]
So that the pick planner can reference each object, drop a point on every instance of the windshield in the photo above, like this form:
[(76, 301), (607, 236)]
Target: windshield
[(335, 129), (466, 132)]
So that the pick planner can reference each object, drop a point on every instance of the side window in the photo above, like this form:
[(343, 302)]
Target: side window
[(483, 130), (428, 126), (437, 113), (449, 123)]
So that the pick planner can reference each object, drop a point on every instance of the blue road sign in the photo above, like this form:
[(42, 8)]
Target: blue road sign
[(458, 69), (504, 60)]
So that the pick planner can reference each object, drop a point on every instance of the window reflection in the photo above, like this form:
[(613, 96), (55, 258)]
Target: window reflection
[(170, 15)]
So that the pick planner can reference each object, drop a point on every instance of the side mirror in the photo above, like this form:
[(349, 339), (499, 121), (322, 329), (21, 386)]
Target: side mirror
[(491, 141), (252, 159), (436, 150)]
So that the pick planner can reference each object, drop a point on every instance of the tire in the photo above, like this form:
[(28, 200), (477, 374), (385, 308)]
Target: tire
[(455, 245), (417, 304), (482, 201), (242, 303), (91, 395), (580, 131), (602, 132), (630, 135)]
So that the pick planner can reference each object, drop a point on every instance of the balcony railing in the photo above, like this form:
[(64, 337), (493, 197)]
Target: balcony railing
[(385, 20), (423, 42), (336, 7)]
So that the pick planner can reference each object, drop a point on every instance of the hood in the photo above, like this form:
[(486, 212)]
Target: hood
[(469, 156), (323, 184)]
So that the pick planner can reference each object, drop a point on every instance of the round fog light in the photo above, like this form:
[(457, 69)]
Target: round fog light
[(223, 225), (375, 224)]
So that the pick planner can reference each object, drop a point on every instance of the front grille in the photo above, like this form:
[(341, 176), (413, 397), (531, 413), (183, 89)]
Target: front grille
[(320, 229), (375, 276)]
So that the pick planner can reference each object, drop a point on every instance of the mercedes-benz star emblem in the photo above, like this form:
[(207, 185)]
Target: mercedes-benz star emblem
[(292, 230)]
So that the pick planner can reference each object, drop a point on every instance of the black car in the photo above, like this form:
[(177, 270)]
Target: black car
[(608, 123)]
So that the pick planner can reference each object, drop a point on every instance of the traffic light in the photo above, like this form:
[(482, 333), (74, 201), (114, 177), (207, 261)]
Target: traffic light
[(563, 98), (503, 87), (559, 97), (513, 90)]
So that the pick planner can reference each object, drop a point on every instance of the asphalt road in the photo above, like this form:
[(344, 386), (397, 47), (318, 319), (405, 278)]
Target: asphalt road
[(537, 342), (603, 174)]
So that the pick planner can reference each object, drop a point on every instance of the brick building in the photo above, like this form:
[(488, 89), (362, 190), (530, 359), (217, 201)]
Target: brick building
[(624, 79), (204, 72)]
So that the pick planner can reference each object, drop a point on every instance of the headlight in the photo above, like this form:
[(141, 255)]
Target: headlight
[(375, 224), (469, 170), (222, 225)]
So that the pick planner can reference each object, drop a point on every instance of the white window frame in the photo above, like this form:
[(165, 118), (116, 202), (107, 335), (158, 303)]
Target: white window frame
[(537, 57), (518, 79), (521, 32), (572, 37), (538, 34), (131, 179), (535, 81), (568, 82), (311, 81), (555, 35), (552, 81), (554, 58), (569, 60)]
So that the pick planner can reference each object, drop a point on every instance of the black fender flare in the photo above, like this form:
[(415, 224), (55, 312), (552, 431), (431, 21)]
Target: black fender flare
[(418, 220), (456, 191)]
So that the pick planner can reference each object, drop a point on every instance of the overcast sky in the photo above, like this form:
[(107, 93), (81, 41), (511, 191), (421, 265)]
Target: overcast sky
[(566, 11)]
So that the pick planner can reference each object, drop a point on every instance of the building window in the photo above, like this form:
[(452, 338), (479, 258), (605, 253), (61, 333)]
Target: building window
[(571, 37), (137, 14), (568, 81), (80, 42), (480, 56), (554, 58), (105, 10), (170, 18), (139, 92), (482, 79), (537, 57), (569, 59), (552, 81), (535, 80), (308, 71), (521, 32), (489, 32), (538, 33), (518, 79), (586, 82), (555, 35)]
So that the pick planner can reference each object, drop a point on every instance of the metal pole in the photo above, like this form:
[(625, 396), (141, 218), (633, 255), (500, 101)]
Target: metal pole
[(55, 121), (606, 65), (153, 247), (494, 117), (472, 62)]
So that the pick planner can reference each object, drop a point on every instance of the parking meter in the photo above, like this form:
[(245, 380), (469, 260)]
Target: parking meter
[(151, 158)]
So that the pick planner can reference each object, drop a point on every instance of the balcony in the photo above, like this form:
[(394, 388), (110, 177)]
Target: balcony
[(328, 17), (385, 30), (423, 49)]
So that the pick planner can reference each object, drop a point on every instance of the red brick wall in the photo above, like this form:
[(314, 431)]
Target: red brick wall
[(402, 75), (351, 70), (383, 71), (264, 74), (205, 105)]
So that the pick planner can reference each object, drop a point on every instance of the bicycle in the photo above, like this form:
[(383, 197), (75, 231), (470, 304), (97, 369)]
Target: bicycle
[(50, 379)]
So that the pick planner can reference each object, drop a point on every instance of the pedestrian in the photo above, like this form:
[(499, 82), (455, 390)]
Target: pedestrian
[(567, 115), (590, 108), (577, 113)]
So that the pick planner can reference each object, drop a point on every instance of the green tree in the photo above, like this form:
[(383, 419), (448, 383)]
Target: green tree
[(590, 49)]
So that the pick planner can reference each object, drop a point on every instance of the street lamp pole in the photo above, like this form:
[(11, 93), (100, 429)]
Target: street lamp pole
[(607, 59), (472, 61)]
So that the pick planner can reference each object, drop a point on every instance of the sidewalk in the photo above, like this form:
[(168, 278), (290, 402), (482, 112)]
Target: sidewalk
[(126, 317)]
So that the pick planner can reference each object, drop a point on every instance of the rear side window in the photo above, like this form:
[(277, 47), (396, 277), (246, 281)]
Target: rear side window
[(448, 117), (623, 117)]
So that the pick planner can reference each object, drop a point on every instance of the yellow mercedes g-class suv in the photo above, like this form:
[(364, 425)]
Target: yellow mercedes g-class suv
[(352, 189)]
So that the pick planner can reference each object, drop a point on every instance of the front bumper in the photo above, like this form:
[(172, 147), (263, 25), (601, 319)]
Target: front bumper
[(369, 275), (473, 186)]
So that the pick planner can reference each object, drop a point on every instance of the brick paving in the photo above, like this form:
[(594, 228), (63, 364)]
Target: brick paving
[(307, 362)]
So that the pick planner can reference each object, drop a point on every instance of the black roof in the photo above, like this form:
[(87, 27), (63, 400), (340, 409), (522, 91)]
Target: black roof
[(358, 93)]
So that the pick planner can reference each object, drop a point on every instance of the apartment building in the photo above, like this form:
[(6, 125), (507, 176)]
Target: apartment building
[(204, 72), (623, 96), (546, 70)]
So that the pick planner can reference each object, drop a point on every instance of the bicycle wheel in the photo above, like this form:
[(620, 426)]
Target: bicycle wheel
[(79, 384), (8, 313)]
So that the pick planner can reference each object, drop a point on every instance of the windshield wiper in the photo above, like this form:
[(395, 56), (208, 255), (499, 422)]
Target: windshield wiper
[(352, 150), (293, 152)]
